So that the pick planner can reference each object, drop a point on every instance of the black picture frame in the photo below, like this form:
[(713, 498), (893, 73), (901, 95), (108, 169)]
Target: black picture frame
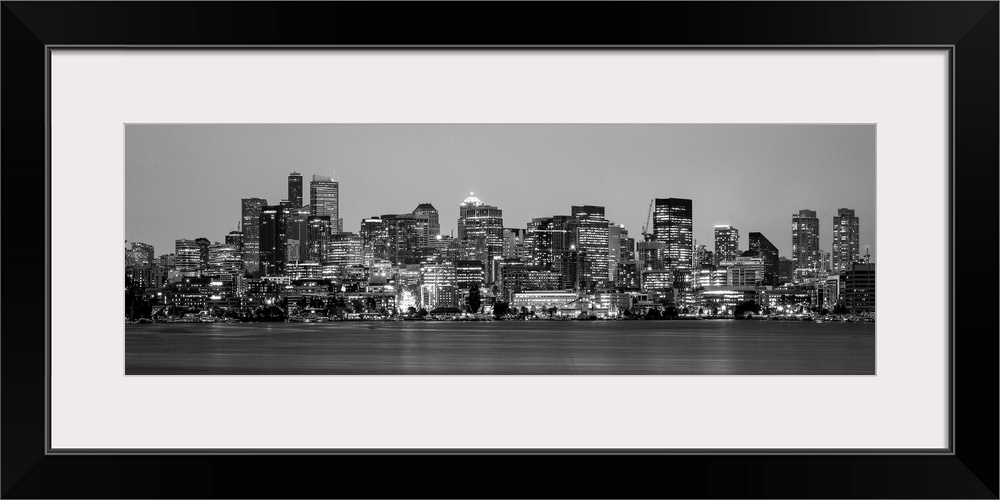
[(970, 28)]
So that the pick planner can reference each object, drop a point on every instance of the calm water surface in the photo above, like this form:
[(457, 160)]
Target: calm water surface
[(710, 347)]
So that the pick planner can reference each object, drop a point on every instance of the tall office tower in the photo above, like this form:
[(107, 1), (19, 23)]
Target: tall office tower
[(317, 238), (727, 243), (298, 233), (478, 220), (295, 189), (224, 261), (592, 240), (187, 257), (430, 229), (324, 198), (250, 227), (805, 239), (786, 270), (672, 221), (616, 233), (139, 254), (203, 244), (374, 239), (539, 239), (403, 232), (767, 251), (273, 238), (846, 240)]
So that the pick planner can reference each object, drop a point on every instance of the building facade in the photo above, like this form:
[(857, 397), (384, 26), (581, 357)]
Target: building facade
[(805, 239), (324, 200), (846, 240), (295, 189), (672, 225), (769, 253), (250, 227), (478, 220), (727, 243)]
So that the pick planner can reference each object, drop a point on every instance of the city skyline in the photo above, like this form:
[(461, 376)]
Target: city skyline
[(750, 190)]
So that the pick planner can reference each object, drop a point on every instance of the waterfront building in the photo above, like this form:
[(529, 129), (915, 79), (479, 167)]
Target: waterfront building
[(859, 288), (805, 239), (542, 300), (250, 227), (438, 285), (593, 242), (672, 225), (833, 291), (517, 277), (273, 240), (479, 220), (727, 243), (723, 300), (295, 189), (846, 240), (188, 257), (429, 223), (767, 251), (324, 200)]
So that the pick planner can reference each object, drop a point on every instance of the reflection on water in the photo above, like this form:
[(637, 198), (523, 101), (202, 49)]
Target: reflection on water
[(502, 348)]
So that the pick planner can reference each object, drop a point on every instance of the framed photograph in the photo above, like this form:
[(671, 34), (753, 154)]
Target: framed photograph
[(728, 251)]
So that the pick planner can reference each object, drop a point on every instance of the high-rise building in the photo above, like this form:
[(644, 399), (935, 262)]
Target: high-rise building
[(478, 220), (298, 233), (203, 244), (344, 249), (188, 257), (374, 239), (250, 227), (672, 223), (317, 238), (593, 241), (805, 239), (139, 254), (539, 242), (859, 288), (513, 243), (273, 240), (430, 228), (224, 261), (767, 251), (846, 239), (235, 238), (324, 198), (786, 270), (295, 189), (727, 243)]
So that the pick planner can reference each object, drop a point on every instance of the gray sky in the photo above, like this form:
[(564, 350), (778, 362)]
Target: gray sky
[(186, 181)]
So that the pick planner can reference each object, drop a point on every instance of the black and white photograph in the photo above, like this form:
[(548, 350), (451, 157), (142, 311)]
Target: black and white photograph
[(500, 249)]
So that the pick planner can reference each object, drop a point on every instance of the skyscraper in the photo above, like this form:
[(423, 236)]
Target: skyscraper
[(324, 198), (317, 238), (672, 222), (805, 239), (727, 243), (297, 232), (592, 240), (846, 240), (432, 227), (295, 189), (273, 238), (767, 251), (478, 220), (250, 227)]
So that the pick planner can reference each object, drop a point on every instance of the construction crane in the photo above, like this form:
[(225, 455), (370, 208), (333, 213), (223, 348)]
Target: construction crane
[(645, 234)]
